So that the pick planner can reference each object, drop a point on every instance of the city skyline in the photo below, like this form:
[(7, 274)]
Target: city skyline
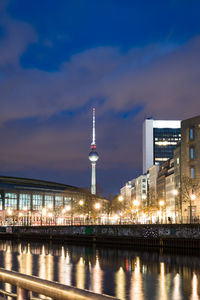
[(129, 61)]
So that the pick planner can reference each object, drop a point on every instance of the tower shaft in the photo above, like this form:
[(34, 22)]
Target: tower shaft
[(93, 179)]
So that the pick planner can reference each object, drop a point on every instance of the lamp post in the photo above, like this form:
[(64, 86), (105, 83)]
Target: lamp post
[(81, 203), (120, 199), (192, 198), (175, 192), (136, 203), (144, 197), (161, 203), (97, 206), (43, 215), (68, 209)]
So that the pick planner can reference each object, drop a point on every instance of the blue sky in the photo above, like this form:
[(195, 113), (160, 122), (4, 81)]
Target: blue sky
[(58, 59)]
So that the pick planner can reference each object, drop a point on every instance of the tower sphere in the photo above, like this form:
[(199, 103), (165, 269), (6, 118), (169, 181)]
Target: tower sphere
[(93, 156)]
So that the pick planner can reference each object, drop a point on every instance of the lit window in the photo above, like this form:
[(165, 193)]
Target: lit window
[(37, 202), (192, 172), (58, 201), (48, 201), (191, 134), (24, 201), (177, 161), (67, 200), (191, 153), (10, 200)]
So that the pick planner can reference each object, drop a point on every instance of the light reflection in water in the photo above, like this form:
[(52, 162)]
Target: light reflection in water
[(194, 295), (162, 283), (25, 260), (96, 277), (80, 274), (8, 265), (120, 281), (133, 270), (65, 268), (176, 288), (136, 291)]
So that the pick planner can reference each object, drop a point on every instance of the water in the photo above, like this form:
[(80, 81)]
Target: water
[(126, 274)]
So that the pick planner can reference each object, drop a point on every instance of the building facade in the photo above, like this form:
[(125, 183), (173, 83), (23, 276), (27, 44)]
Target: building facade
[(30, 201), (190, 168), (160, 138)]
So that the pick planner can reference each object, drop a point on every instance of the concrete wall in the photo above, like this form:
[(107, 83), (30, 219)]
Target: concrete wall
[(154, 231)]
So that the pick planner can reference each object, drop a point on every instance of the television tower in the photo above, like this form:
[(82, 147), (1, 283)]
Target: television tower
[(93, 156)]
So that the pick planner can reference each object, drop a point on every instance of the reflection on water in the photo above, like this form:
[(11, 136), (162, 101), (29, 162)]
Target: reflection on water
[(125, 274), (136, 288)]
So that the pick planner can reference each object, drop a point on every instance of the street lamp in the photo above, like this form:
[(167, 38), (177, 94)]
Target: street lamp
[(81, 202), (97, 205), (192, 198), (120, 198)]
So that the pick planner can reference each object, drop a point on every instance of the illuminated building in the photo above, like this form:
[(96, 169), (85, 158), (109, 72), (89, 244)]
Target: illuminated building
[(30, 201), (190, 166), (93, 157), (160, 138)]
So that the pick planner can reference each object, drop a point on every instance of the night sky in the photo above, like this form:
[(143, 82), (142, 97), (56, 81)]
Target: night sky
[(58, 59)]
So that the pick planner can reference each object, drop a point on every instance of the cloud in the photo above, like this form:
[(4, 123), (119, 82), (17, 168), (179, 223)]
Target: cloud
[(45, 117)]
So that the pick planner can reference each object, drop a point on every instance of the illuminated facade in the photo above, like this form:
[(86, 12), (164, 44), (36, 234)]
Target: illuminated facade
[(190, 167), (160, 138), (30, 201)]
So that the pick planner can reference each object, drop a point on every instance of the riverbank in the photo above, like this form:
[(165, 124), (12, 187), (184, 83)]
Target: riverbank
[(152, 235)]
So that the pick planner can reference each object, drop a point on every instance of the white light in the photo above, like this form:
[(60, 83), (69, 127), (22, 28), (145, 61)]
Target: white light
[(166, 124), (9, 211), (81, 202), (68, 208), (136, 202), (175, 192), (193, 197), (97, 205), (120, 198), (161, 202)]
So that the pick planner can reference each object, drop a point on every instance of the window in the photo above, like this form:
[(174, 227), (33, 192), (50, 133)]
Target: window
[(67, 200), (191, 153), (37, 202), (58, 201), (24, 201), (48, 201), (191, 134), (10, 200), (192, 172)]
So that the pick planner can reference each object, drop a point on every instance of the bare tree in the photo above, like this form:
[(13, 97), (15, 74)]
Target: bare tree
[(189, 186)]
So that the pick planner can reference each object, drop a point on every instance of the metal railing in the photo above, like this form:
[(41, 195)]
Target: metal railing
[(26, 284)]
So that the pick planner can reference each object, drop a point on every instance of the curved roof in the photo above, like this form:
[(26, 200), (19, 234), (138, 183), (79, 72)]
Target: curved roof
[(37, 184)]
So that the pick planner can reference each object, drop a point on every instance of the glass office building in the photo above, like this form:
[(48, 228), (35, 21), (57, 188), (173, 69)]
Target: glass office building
[(160, 138), (165, 142)]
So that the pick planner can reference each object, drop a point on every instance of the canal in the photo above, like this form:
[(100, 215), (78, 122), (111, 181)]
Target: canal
[(124, 273)]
